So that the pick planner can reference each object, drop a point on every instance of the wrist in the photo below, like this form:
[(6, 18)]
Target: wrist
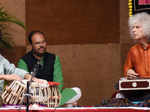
[(130, 71), (28, 77), (3, 77)]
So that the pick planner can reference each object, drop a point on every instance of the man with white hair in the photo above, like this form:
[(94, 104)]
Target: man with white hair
[(137, 64)]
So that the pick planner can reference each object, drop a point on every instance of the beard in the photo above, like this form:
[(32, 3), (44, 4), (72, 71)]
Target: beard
[(38, 53)]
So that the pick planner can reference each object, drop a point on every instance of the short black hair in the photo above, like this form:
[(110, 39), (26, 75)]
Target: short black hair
[(32, 33)]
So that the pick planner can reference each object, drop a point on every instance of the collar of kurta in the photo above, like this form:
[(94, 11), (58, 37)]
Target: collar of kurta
[(143, 47)]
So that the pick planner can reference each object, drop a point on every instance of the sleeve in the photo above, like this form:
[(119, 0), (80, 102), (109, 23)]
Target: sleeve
[(10, 68), (58, 77), (128, 63), (21, 64)]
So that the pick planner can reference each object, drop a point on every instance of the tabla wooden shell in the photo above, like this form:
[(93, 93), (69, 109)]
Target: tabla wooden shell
[(47, 94), (13, 94)]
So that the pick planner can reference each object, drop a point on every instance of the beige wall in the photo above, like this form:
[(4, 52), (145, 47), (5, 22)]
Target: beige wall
[(93, 67)]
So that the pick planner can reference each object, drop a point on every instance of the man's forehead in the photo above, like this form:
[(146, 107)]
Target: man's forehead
[(38, 36)]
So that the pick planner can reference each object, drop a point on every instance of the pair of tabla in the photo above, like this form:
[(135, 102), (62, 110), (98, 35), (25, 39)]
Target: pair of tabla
[(45, 94)]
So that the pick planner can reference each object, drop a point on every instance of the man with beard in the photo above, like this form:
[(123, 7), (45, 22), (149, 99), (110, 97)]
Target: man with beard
[(46, 66)]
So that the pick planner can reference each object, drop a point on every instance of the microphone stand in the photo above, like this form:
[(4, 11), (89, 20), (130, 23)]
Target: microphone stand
[(35, 70), (27, 95)]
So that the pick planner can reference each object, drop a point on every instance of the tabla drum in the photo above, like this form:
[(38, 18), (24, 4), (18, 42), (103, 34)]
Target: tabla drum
[(46, 94), (13, 94)]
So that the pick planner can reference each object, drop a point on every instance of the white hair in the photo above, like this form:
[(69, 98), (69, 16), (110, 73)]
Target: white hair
[(142, 19)]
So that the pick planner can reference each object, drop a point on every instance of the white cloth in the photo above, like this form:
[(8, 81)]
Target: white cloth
[(119, 95), (76, 97)]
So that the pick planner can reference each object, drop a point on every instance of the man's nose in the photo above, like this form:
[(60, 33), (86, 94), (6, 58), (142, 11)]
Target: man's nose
[(41, 44), (134, 30)]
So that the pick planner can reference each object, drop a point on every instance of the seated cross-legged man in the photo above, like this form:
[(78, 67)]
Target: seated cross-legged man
[(49, 66)]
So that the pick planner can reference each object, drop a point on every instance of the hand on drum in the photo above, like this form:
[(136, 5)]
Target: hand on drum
[(131, 74), (40, 80), (29, 77)]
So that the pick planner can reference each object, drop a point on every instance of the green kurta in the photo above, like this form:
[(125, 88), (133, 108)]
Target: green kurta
[(66, 93)]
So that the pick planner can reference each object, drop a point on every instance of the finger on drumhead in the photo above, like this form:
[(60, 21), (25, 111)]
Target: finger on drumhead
[(136, 74), (131, 75)]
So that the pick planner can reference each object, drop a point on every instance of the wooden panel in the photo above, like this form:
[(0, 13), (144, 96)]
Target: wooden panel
[(13, 55), (94, 68), (74, 21)]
